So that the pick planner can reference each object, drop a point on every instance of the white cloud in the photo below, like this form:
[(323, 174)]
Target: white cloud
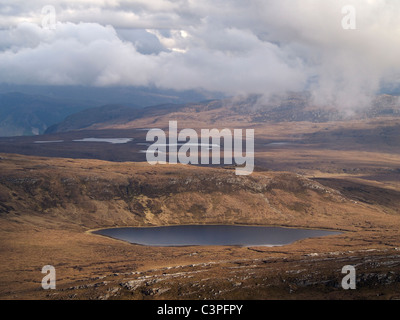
[(259, 46)]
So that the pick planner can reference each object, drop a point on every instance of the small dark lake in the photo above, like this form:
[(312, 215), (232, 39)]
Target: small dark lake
[(187, 235)]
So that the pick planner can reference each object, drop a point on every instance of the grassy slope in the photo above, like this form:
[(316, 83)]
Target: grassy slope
[(48, 204)]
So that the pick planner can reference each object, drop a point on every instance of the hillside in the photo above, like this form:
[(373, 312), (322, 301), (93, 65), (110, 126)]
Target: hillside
[(48, 207), (247, 110), (91, 116), (28, 114), (93, 193), (31, 110)]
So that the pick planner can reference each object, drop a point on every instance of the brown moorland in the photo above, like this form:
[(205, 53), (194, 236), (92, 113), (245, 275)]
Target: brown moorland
[(337, 175), (50, 205)]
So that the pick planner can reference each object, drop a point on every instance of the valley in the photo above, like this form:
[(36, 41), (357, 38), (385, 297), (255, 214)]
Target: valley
[(272, 172), (338, 175)]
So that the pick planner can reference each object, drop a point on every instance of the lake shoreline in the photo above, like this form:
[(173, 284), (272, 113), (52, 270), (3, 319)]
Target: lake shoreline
[(211, 235)]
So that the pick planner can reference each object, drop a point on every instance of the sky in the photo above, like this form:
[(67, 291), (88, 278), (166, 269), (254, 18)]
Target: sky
[(341, 51)]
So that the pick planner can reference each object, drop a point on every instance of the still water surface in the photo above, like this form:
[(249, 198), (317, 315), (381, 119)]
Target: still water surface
[(186, 235)]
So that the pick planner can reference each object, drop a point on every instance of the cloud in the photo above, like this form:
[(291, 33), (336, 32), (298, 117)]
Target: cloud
[(236, 47), (72, 54), (92, 54)]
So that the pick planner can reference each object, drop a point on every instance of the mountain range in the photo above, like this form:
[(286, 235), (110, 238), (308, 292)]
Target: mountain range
[(31, 110), (244, 110), (28, 114)]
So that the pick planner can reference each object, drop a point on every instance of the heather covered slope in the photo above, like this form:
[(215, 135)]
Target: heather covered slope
[(48, 207), (94, 193)]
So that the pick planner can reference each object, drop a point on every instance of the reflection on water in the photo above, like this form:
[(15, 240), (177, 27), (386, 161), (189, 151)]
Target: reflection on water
[(212, 235), (281, 143), (49, 141), (109, 140)]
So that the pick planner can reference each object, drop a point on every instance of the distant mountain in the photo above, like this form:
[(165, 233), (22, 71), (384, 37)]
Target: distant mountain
[(92, 116), (111, 115), (244, 110), (26, 114), (30, 110), (127, 96)]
